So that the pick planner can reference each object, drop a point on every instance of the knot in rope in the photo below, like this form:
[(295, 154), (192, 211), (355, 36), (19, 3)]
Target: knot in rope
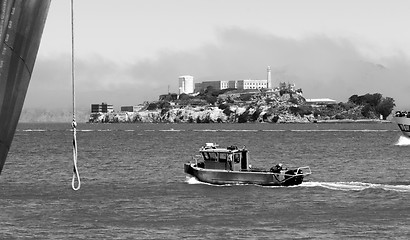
[(76, 175)]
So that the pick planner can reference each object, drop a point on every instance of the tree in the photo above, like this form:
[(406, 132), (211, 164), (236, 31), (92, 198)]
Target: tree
[(385, 107), (152, 106), (373, 104), (366, 111), (211, 99), (355, 99), (373, 99), (184, 96), (368, 99)]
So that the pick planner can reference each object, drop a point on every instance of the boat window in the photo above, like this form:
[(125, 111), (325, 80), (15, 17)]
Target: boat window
[(213, 156), (205, 155), (223, 157), (404, 128), (237, 157)]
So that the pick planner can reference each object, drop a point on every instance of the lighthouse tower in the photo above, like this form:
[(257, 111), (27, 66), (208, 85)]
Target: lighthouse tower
[(269, 79)]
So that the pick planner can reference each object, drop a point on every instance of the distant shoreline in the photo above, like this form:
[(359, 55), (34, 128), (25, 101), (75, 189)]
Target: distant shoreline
[(347, 121), (354, 121)]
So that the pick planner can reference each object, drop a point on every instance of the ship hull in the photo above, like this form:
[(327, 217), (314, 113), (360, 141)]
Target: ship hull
[(222, 177), (21, 27), (404, 125)]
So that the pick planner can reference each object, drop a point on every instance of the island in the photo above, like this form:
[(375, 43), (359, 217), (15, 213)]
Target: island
[(251, 105)]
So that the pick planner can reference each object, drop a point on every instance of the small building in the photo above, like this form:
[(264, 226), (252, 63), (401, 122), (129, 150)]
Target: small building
[(102, 108), (320, 101), (131, 108), (290, 87)]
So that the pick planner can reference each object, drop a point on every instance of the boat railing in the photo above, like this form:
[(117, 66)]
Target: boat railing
[(195, 158), (305, 171)]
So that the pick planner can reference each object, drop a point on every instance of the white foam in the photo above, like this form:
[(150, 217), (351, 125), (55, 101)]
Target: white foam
[(205, 130), (339, 130), (171, 130), (225, 130), (356, 186), (34, 130), (193, 180), (403, 141)]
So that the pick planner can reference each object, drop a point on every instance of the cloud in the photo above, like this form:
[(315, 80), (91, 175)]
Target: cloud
[(321, 66)]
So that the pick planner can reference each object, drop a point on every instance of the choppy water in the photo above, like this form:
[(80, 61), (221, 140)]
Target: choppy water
[(134, 187)]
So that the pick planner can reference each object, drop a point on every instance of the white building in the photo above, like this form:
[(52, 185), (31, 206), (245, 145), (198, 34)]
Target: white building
[(252, 84), (238, 84), (320, 101), (186, 84)]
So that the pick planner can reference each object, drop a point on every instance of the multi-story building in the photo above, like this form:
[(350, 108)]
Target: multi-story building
[(102, 108), (238, 84), (218, 85), (186, 84), (252, 84)]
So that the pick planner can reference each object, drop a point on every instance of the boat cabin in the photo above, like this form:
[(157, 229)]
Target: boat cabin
[(231, 158)]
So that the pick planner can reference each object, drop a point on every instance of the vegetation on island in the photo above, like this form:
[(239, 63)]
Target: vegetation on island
[(252, 105)]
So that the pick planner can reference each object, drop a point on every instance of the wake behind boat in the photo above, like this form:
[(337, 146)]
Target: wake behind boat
[(230, 165), (402, 119)]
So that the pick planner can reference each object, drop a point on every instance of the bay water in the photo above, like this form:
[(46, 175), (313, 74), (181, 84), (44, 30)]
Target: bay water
[(133, 185)]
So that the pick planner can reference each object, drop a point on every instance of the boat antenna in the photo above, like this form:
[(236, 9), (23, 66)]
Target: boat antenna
[(76, 175)]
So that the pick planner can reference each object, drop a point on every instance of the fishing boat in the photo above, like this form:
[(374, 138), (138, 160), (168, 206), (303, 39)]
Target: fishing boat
[(230, 165), (21, 27), (402, 119)]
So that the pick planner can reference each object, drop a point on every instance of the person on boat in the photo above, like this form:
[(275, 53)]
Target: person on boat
[(277, 168), (230, 159)]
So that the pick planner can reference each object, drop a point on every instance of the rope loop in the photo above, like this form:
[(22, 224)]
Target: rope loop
[(76, 175)]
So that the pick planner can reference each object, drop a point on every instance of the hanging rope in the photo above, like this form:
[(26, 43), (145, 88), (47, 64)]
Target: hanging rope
[(76, 175)]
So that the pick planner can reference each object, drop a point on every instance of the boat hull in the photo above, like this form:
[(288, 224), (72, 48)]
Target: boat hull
[(222, 177), (21, 28), (404, 125)]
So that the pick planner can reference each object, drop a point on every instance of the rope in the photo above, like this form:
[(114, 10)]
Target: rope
[(76, 175)]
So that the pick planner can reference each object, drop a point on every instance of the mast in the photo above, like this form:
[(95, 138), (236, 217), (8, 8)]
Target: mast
[(21, 27)]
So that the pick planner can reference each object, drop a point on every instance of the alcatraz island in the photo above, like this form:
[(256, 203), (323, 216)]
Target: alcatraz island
[(242, 101)]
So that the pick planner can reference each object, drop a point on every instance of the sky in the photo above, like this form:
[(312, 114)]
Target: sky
[(131, 51)]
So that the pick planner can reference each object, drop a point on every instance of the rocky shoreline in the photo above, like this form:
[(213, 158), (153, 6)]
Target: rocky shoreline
[(216, 115)]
